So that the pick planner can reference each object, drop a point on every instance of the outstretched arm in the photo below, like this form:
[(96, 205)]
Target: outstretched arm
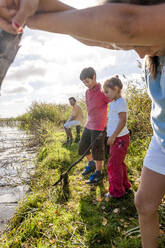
[(57, 6), (14, 13), (111, 23)]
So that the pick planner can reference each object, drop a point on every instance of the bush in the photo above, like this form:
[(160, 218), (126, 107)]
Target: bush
[(139, 105), (40, 112)]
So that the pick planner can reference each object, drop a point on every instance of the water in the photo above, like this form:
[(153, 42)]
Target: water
[(16, 168)]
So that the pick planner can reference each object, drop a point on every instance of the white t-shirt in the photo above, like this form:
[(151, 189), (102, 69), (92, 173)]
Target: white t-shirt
[(116, 107)]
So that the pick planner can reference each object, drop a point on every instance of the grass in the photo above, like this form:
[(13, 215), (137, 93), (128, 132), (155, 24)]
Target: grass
[(75, 214)]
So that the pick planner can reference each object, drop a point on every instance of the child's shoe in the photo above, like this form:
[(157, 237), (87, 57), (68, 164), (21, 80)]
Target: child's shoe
[(129, 191), (95, 177), (90, 168), (108, 195), (69, 142), (77, 139)]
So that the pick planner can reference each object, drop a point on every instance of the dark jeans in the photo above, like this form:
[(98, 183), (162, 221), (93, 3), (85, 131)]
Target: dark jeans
[(98, 149)]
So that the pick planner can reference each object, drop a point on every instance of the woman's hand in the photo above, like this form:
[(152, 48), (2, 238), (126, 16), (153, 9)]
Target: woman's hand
[(26, 9), (111, 140), (14, 13), (7, 12)]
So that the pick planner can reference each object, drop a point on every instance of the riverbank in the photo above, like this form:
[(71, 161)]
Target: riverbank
[(76, 214)]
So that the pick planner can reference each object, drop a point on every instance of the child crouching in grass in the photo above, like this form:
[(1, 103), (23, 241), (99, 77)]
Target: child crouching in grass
[(118, 138)]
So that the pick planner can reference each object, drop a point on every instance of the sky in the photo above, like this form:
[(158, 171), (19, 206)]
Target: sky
[(47, 68)]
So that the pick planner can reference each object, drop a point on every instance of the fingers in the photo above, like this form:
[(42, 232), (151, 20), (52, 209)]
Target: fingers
[(6, 26), (13, 14), (26, 9), (7, 14)]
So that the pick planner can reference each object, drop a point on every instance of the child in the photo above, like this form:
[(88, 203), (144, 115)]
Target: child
[(96, 103), (118, 138)]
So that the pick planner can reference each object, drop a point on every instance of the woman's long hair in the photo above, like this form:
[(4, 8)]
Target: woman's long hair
[(152, 62)]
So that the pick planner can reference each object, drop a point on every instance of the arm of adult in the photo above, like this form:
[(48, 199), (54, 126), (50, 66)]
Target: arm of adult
[(125, 24), (10, 10), (56, 6)]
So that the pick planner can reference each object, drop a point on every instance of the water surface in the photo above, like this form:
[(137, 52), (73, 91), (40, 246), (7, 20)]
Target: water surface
[(16, 168)]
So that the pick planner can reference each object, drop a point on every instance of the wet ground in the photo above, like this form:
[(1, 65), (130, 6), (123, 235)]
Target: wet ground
[(16, 168)]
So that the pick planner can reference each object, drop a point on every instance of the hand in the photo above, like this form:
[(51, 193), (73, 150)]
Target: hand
[(21, 10), (111, 140), (26, 9), (7, 12)]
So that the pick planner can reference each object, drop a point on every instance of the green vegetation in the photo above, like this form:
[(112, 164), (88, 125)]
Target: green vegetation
[(75, 214)]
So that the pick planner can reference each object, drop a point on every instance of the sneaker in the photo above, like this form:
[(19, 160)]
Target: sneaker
[(95, 177), (69, 142), (129, 191), (108, 195), (90, 168)]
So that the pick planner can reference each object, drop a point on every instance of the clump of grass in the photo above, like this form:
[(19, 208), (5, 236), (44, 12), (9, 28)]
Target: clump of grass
[(139, 105), (76, 214)]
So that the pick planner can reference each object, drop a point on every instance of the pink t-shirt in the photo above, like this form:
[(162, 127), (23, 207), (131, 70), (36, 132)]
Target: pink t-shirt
[(96, 103)]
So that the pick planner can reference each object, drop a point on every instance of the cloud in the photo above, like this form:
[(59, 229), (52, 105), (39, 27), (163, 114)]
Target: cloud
[(17, 90), (82, 4), (47, 68), (25, 71)]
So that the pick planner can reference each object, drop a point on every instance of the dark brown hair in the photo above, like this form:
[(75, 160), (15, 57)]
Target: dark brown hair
[(72, 98), (152, 62), (87, 73), (112, 82)]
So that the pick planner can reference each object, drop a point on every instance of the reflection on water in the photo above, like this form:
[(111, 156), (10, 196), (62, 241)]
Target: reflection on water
[(16, 167)]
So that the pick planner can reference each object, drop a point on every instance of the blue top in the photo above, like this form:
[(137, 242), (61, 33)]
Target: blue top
[(156, 90)]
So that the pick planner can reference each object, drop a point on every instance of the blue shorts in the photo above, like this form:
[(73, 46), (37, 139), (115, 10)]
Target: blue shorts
[(155, 157)]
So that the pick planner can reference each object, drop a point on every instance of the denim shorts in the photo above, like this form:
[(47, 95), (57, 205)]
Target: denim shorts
[(155, 157)]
